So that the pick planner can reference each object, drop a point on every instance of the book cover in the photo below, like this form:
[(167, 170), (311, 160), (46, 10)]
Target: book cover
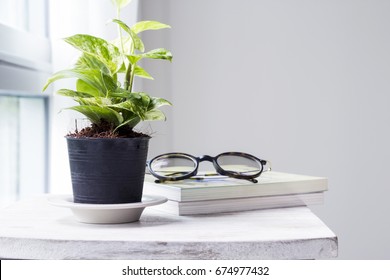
[(240, 204), (211, 188)]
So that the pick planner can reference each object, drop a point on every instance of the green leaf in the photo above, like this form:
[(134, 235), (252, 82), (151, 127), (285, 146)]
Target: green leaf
[(120, 93), (136, 103), (134, 58), (90, 76), (157, 102), (87, 61), (95, 101), (154, 54), (99, 48), (131, 122), (159, 54), (137, 42), (154, 115), (130, 105), (140, 72), (109, 83), (82, 86), (72, 93), (148, 25), (119, 4), (145, 99), (96, 114)]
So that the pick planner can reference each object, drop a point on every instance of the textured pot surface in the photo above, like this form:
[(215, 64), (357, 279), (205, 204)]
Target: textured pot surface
[(107, 171)]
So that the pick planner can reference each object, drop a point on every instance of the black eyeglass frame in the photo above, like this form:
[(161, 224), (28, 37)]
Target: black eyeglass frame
[(213, 160)]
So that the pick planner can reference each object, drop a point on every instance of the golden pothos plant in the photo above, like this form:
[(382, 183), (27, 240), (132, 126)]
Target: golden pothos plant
[(105, 72)]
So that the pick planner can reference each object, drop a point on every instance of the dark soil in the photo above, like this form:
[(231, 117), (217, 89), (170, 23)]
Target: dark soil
[(106, 130)]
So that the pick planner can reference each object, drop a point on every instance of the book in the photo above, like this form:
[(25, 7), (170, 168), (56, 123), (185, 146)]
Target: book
[(220, 187), (240, 204)]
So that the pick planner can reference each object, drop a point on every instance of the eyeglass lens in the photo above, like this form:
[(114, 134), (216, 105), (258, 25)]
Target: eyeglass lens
[(173, 166), (239, 165)]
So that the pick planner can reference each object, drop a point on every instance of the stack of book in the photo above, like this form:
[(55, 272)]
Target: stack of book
[(222, 194)]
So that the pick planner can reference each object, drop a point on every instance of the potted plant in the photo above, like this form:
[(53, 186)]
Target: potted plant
[(107, 159)]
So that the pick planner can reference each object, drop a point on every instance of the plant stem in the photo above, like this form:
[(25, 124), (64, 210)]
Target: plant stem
[(131, 77), (128, 77)]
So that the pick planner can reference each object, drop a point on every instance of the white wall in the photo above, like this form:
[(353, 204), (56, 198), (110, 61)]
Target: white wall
[(302, 83), (161, 72)]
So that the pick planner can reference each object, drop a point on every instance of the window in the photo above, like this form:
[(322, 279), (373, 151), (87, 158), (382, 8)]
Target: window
[(23, 146), (26, 15), (24, 68)]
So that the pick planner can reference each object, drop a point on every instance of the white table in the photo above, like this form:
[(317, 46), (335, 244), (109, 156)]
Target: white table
[(33, 229)]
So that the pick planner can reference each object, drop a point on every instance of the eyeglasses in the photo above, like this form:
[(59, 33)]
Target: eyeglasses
[(180, 166)]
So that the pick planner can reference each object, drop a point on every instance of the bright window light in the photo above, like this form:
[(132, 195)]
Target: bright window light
[(24, 67)]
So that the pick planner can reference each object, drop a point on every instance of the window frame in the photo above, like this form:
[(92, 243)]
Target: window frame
[(27, 53)]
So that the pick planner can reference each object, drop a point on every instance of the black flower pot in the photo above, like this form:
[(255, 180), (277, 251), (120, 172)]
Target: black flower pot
[(107, 171)]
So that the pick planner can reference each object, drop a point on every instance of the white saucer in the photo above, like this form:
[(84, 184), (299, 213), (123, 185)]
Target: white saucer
[(106, 213)]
